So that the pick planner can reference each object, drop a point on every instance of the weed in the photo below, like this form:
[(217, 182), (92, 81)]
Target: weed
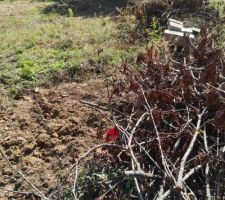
[(14, 92), (154, 34), (4, 79), (70, 12), (26, 74)]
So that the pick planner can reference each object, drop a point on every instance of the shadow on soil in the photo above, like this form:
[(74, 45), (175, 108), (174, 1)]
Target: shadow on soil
[(85, 8)]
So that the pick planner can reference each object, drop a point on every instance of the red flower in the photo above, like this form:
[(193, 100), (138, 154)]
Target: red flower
[(112, 135)]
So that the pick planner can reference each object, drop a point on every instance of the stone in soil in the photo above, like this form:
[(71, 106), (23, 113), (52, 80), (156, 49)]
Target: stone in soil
[(42, 138)]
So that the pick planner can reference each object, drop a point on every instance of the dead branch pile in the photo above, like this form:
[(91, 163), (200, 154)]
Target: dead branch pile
[(170, 117)]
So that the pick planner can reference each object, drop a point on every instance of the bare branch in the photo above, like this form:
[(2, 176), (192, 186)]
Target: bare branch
[(142, 173), (208, 193), (191, 145), (131, 138), (38, 192), (76, 165)]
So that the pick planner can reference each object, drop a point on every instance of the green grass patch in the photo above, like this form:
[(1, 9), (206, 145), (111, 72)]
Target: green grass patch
[(220, 6), (34, 43)]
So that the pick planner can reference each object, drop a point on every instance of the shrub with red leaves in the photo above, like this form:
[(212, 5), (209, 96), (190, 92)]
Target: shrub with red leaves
[(171, 119), (169, 130), (175, 124)]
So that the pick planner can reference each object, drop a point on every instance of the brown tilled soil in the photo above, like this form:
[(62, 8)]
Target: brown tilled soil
[(43, 133)]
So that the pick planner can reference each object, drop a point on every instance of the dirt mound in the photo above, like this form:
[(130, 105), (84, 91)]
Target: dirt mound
[(43, 133)]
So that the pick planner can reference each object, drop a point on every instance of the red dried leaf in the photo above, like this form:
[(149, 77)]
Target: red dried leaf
[(187, 78), (209, 75), (112, 135), (212, 99), (134, 86)]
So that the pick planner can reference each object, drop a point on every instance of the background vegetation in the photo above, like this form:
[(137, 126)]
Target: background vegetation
[(161, 105)]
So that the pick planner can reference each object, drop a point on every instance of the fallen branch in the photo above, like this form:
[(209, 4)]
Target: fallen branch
[(91, 104), (38, 192), (190, 148), (208, 193), (142, 173)]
